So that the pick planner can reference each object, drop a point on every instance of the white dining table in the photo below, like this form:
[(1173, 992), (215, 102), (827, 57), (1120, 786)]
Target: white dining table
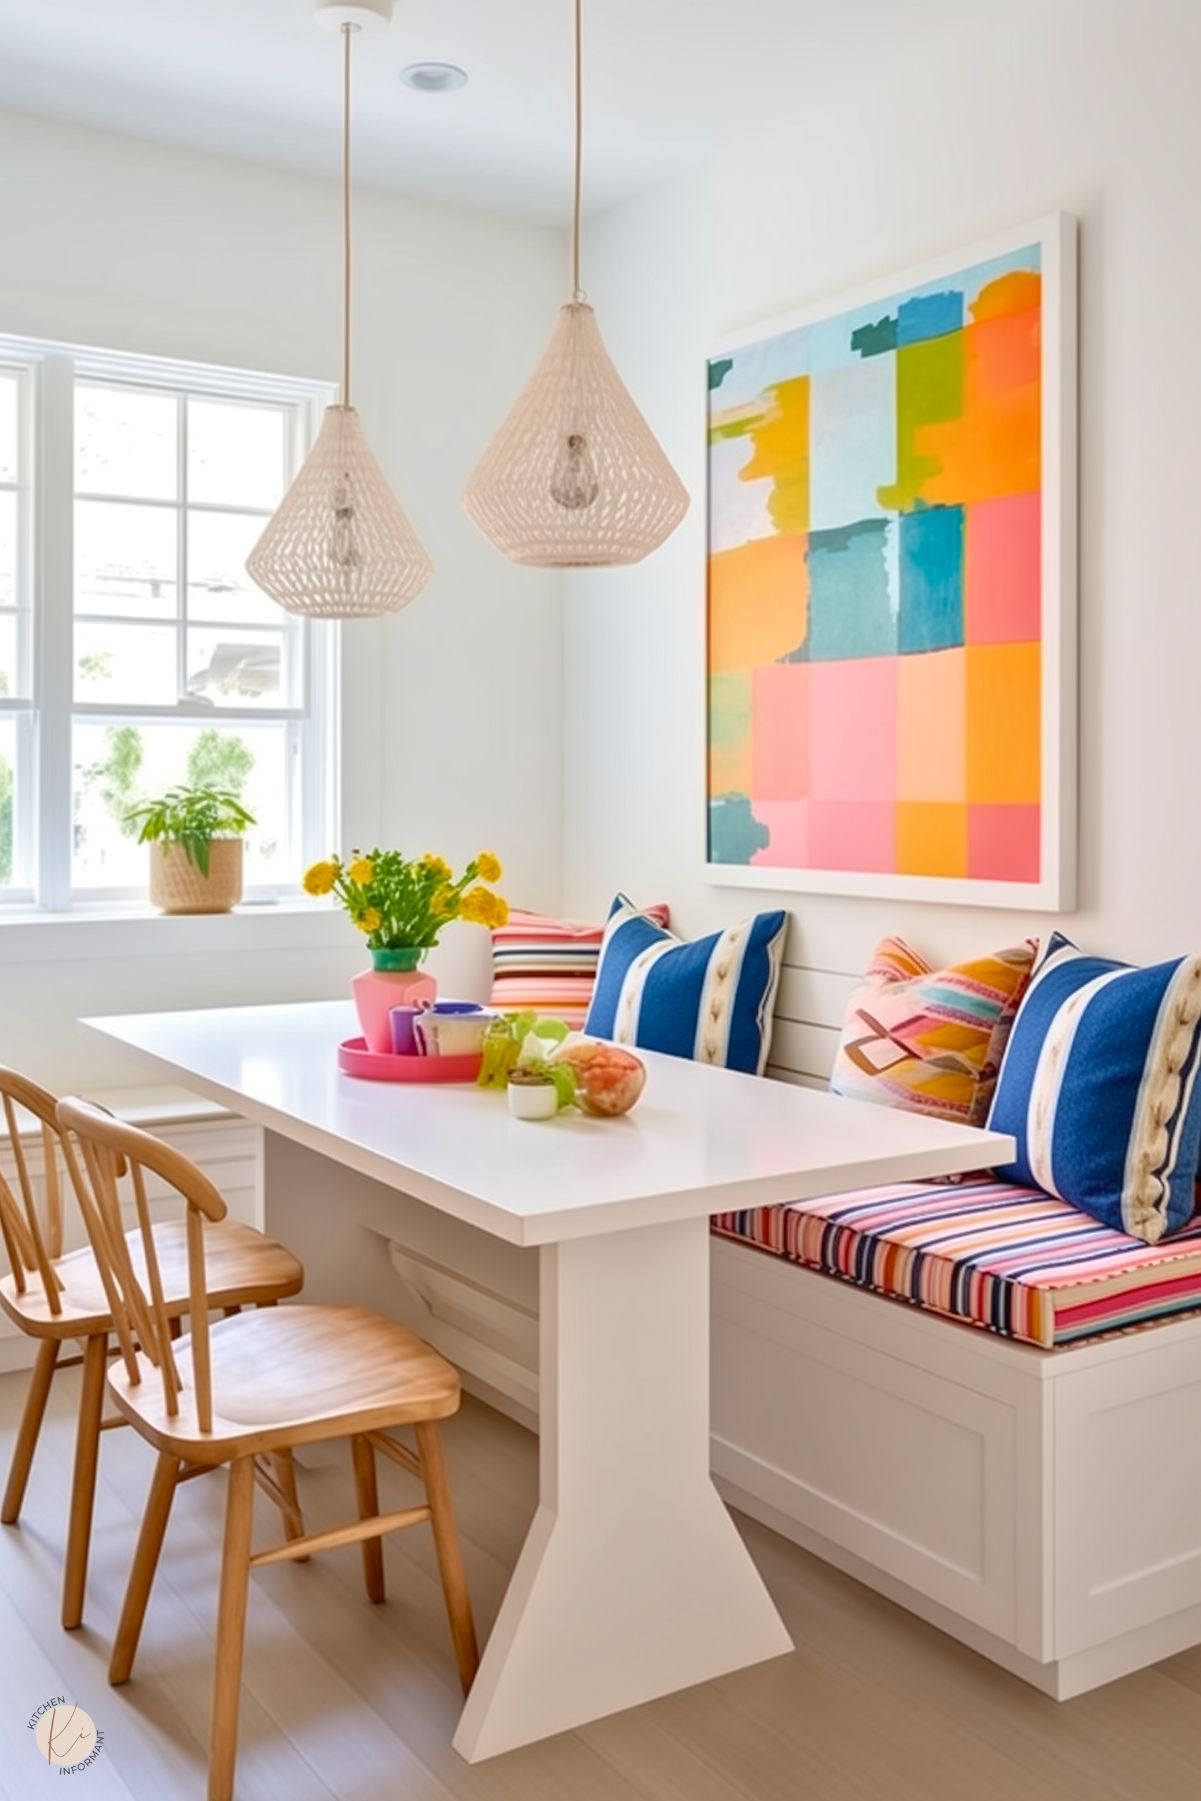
[(633, 1581)]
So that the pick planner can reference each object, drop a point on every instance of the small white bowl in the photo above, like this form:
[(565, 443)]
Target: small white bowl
[(533, 1100)]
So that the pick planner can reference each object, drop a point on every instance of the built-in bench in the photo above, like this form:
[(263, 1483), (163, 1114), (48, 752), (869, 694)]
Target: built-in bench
[(1040, 1501)]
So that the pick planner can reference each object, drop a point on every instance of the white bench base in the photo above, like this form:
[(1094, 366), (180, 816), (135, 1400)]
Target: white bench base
[(1043, 1507)]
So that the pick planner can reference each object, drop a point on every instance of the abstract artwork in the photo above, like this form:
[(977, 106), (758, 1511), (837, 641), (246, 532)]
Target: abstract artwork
[(891, 616)]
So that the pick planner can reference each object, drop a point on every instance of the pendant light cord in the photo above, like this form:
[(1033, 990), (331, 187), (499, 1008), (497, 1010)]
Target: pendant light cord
[(577, 292), (348, 31)]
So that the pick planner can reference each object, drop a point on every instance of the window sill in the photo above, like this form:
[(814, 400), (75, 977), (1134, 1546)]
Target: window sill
[(121, 930)]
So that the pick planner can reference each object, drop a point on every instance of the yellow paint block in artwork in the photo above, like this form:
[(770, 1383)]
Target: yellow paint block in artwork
[(1004, 723), (931, 838), (781, 454), (758, 602)]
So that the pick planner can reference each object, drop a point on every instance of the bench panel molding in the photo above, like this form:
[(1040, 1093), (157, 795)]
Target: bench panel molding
[(1085, 1506)]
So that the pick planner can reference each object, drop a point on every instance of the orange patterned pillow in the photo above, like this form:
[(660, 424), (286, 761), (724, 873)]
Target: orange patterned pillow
[(931, 1040)]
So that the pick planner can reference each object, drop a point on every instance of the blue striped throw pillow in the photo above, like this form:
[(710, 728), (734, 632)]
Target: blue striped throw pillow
[(710, 1000), (1099, 1088)]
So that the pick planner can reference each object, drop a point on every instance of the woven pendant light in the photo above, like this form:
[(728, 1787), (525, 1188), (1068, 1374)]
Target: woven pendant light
[(339, 545), (575, 478)]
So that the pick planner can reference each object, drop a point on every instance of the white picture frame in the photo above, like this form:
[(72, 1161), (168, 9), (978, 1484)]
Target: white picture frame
[(1054, 891)]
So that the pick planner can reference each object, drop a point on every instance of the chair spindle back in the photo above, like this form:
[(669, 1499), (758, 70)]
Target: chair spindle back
[(33, 1234), (100, 1151)]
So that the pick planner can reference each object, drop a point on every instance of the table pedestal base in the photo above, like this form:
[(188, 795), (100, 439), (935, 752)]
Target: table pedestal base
[(633, 1581)]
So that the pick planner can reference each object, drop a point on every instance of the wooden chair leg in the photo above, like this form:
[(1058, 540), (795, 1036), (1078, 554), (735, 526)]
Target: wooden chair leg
[(83, 1485), (367, 1489), (145, 1563), (285, 1475), (29, 1429), (231, 1630), (450, 1558)]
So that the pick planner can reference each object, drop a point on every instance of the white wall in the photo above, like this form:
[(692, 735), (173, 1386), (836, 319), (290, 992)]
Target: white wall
[(990, 124), (114, 242)]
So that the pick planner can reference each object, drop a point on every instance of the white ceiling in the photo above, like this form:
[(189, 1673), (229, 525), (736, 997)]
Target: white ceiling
[(667, 81)]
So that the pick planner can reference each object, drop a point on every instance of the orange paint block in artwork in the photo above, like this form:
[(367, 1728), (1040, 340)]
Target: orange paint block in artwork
[(932, 726), (995, 447), (758, 602), (1004, 723), (931, 838), (1020, 291)]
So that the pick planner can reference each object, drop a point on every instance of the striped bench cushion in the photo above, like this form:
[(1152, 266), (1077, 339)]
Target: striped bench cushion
[(1014, 1260), (546, 965)]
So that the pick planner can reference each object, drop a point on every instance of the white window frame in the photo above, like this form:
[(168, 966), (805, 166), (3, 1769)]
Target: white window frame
[(47, 708), (21, 706)]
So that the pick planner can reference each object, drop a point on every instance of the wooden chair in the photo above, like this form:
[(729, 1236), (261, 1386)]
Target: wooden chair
[(249, 1387), (55, 1297)]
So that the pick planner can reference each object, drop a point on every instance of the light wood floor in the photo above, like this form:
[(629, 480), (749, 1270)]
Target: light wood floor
[(357, 1702)]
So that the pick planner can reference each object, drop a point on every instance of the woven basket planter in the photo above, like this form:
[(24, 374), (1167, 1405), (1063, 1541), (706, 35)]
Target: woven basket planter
[(177, 886)]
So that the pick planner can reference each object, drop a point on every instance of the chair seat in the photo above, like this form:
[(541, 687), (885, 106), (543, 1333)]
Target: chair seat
[(242, 1267), (289, 1376)]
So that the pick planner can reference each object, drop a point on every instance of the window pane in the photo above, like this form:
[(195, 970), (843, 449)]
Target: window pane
[(9, 674), (10, 876), (8, 428), (125, 441), (115, 767), (218, 585), (125, 559), (237, 453), (239, 669), (8, 549), (130, 664)]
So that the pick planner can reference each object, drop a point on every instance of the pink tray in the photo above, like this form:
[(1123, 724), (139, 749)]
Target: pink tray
[(354, 1059)]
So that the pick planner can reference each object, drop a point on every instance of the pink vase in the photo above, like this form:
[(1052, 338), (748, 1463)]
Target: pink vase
[(393, 981)]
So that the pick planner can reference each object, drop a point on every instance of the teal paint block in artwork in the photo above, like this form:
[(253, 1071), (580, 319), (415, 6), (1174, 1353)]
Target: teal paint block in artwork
[(734, 832), (876, 337), (851, 612), (929, 316), (931, 580), (719, 368)]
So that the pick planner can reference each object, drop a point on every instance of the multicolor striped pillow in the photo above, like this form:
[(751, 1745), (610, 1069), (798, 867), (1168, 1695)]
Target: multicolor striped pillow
[(546, 965), (710, 1000), (931, 1040), (1100, 1088)]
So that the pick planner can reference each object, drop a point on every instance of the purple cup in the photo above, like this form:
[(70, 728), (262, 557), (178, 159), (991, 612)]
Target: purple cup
[(404, 1039)]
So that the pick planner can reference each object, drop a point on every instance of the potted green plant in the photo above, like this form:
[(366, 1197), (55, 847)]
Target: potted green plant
[(196, 837)]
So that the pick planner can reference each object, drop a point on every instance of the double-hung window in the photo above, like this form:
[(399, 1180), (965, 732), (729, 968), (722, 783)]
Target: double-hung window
[(135, 652)]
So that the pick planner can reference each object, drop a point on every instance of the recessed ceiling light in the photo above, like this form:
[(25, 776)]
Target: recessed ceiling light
[(434, 78)]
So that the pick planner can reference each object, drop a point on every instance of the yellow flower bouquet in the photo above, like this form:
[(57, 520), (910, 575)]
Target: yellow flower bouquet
[(401, 904)]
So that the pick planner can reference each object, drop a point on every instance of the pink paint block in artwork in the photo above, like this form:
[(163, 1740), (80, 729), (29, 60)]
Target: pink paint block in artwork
[(788, 823), (1004, 570), (780, 712), (853, 732), (1003, 843), (852, 835)]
